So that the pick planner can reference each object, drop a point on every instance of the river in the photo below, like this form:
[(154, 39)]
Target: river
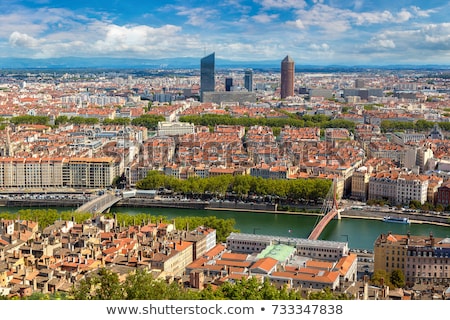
[(360, 233)]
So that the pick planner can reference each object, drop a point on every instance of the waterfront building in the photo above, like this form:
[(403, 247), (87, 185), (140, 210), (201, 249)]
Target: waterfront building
[(398, 187), (422, 259), (287, 77), (295, 263), (58, 172), (207, 74), (317, 249), (360, 183)]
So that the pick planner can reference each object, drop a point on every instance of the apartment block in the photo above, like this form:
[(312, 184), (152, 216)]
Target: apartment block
[(422, 259), (398, 187), (58, 172)]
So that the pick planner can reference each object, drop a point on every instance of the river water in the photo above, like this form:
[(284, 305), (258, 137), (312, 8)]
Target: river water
[(360, 233)]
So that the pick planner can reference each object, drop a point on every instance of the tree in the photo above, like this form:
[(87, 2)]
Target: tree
[(149, 121), (380, 277), (397, 278), (102, 286), (327, 294)]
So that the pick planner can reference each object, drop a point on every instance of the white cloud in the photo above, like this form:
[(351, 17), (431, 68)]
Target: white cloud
[(422, 13), (265, 18), (437, 34), (282, 4), (322, 46), (327, 18), (371, 17), (385, 43), (379, 17), (403, 16), (358, 4), (136, 38), (297, 24), (22, 40), (199, 17)]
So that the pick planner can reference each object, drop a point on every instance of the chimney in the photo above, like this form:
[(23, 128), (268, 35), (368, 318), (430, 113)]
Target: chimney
[(432, 240)]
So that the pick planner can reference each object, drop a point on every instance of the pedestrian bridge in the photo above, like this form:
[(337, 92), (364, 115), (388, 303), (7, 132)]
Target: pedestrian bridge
[(329, 211), (99, 204)]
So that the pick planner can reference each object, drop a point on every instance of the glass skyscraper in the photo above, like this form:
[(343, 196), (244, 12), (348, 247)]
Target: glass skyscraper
[(207, 74), (248, 80)]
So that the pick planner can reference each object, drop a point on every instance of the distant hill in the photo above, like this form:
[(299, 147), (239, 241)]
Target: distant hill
[(187, 63)]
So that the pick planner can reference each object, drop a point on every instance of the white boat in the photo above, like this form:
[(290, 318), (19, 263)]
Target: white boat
[(396, 220)]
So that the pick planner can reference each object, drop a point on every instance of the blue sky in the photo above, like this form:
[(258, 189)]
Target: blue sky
[(349, 32)]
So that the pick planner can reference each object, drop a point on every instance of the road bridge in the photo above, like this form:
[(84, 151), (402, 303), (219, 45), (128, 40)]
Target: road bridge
[(99, 204)]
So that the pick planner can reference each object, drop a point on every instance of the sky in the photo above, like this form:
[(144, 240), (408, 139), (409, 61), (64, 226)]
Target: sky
[(321, 32)]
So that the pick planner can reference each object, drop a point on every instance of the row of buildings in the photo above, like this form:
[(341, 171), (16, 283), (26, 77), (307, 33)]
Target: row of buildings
[(410, 167), (56, 258)]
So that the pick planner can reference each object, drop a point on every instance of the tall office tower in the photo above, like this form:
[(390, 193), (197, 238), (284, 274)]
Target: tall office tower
[(207, 74), (228, 84), (287, 77), (248, 80)]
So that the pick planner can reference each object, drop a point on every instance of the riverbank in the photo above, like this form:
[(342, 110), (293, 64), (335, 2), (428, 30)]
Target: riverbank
[(355, 214), (416, 218)]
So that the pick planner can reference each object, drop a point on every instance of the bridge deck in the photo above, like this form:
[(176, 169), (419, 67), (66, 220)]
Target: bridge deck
[(99, 204), (315, 233)]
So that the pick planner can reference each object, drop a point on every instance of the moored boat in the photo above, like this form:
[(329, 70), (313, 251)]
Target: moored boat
[(396, 220)]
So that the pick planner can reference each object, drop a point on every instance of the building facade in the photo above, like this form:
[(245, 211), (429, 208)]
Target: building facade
[(422, 259), (207, 74), (248, 80), (58, 172), (287, 77), (316, 249)]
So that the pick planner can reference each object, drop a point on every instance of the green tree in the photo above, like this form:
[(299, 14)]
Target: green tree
[(28, 119), (149, 121), (61, 120), (327, 294), (102, 286), (397, 278), (141, 286), (379, 277)]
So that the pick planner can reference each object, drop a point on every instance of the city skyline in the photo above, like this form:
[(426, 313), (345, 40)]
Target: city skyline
[(315, 32)]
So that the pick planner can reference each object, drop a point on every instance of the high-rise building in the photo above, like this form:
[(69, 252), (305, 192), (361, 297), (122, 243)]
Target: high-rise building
[(228, 84), (248, 80), (207, 74), (287, 77)]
